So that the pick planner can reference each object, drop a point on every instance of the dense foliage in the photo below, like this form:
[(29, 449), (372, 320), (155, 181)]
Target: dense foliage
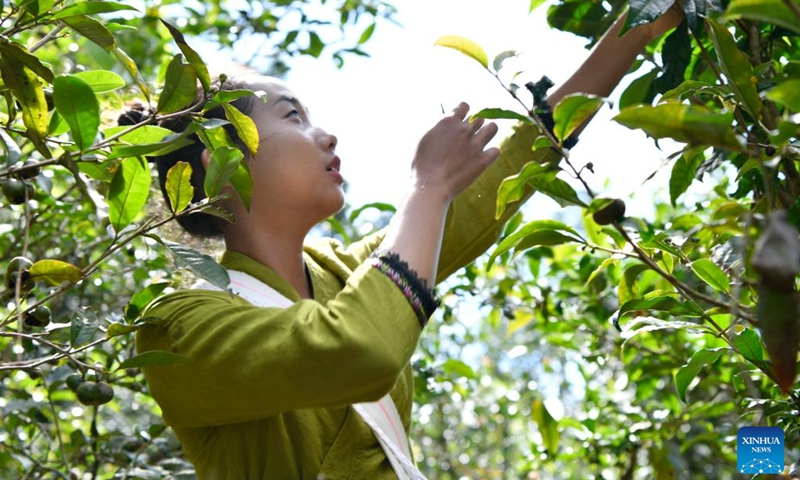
[(604, 347)]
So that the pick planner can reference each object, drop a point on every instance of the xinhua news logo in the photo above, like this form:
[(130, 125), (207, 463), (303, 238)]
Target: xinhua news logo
[(760, 450)]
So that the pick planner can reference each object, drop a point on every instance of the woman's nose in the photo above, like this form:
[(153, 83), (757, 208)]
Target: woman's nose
[(327, 140)]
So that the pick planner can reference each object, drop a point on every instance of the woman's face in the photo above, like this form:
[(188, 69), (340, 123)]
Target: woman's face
[(295, 170)]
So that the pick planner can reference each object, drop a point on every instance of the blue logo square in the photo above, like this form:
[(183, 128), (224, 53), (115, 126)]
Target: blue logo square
[(760, 450)]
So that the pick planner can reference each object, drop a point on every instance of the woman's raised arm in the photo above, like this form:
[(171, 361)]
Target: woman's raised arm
[(613, 56), (471, 226)]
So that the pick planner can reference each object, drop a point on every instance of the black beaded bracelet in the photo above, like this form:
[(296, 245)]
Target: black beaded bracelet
[(422, 299)]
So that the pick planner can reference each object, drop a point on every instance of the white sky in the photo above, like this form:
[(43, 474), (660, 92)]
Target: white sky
[(379, 107)]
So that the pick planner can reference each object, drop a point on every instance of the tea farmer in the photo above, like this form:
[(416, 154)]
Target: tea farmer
[(304, 371)]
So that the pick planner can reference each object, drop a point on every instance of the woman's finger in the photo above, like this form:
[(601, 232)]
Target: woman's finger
[(476, 125), (460, 112), (487, 133), (491, 154)]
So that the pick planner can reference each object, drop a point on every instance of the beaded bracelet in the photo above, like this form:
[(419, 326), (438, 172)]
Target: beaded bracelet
[(422, 299)]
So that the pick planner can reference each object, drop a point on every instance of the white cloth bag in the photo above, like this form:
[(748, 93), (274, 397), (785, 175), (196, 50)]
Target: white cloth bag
[(381, 416)]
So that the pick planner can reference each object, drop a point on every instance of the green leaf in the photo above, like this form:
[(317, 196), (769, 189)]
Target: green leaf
[(600, 268), (367, 34), (645, 11), (776, 12), (216, 138), (780, 328), (223, 165), (547, 238), (245, 127), (662, 304), (93, 30), (76, 103), (132, 69), (179, 186), (640, 90), (242, 183), (465, 46), (55, 272), (690, 124), (36, 8), (710, 273), (542, 142), (383, 207), (690, 88), (154, 358), (526, 231), (22, 56), (555, 188), (521, 319), (10, 148), (212, 209), (787, 94), (459, 369), (748, 166), (170, 144), (142, 298), (683, 173), (627, 288), (748, 344), (677, 55), (496, 113), (128, 192), (652, 324), (501, 57), (25, 86), (586, 19), (512, 188), (315, 45), (572, 111), (144, 135), (200, 264), (101, 81), (687, 373), (91, 8), (83, 328), (228, 96), (191, 56), (180, 86), (117, 329), (548, 427), (535, 4), (737, 68)]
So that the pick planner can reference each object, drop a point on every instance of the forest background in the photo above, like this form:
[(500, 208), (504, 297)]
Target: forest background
[(585, 344)]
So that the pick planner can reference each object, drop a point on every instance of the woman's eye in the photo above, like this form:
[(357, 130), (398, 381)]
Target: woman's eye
[(294, 113)]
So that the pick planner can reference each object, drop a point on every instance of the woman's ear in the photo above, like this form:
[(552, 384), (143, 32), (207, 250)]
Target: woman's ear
[(205, 158)]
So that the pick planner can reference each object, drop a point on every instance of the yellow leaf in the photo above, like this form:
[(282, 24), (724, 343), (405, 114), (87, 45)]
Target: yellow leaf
[(55, 272), (465, 46)]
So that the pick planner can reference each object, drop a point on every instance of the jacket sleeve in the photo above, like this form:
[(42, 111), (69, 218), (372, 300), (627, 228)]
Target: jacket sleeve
[(471, 227), (250, 362)]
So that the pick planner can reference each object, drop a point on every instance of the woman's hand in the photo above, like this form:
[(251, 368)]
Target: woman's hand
[(452, 154), (449, 158)]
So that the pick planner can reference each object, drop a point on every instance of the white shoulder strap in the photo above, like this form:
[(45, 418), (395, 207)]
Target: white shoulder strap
[(381, 416)]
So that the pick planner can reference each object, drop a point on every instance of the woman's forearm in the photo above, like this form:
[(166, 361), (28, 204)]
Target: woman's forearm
[(613, 56), (416, 231)]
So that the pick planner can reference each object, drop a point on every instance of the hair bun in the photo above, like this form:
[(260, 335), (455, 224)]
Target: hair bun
[(136, 112)]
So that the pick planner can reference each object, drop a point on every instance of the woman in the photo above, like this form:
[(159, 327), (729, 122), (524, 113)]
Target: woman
[(271, 387)]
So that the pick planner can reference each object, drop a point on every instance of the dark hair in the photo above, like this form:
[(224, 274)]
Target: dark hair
[(199, 224)]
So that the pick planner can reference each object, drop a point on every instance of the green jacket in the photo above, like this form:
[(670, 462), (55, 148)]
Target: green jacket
[(268, 390)]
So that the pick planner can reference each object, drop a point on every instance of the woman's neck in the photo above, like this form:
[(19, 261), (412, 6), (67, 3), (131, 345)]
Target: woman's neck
[(281, 249)]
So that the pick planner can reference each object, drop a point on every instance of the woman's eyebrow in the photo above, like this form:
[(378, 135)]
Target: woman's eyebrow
[(295, 102)]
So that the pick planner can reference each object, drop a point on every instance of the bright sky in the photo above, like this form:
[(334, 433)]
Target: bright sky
[(379, 107)]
